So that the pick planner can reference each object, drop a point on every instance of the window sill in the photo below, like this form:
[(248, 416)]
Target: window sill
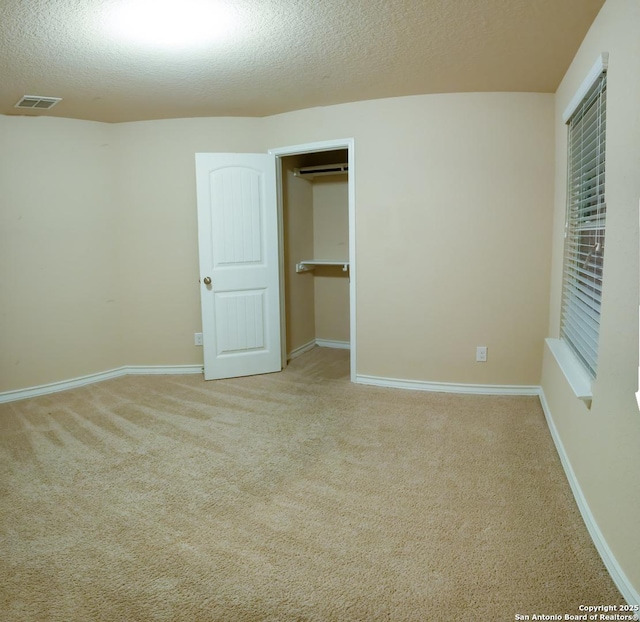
[(578, 379)]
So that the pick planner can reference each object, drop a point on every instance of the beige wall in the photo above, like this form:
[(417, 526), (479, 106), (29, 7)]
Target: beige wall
[(331, 242), (316, 226), (158, 267), (602, 444), (448, 254), (60, 299), (99, 261), (298, 246)]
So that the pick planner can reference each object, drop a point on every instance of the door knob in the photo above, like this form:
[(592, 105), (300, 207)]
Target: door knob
[(207, 280)]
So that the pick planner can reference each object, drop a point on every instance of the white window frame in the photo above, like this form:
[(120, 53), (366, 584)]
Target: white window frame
[(579, 373)]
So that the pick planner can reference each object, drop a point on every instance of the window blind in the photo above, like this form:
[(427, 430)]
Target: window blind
[(585, 226)]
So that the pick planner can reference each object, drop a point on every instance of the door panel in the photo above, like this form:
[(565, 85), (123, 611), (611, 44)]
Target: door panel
[(238, 246), (237, 220), (242, 320)]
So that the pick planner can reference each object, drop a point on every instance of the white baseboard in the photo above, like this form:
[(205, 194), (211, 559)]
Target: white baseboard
[(74, 383), (322, 343), (328, 343), (164, 370), (446, 387), (294, 354), (618, 576)]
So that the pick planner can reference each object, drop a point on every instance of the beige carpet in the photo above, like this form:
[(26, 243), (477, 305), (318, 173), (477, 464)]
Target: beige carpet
[(292, 496)]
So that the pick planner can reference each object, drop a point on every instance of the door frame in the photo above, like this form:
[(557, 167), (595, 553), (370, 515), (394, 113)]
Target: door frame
[(326, 145)]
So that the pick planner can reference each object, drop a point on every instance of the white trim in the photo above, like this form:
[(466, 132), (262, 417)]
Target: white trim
[(284, 358), (322, 145), (330, 145), (575, 373), (321, 343), (63, 385), (446, 387), (600, 65), (352, 257), (81, 381), (163, 370), (618, 576), (638, 392), (328, 343), (294, 354)]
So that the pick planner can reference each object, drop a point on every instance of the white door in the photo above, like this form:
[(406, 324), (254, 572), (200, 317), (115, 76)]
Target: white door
[(239, 270)]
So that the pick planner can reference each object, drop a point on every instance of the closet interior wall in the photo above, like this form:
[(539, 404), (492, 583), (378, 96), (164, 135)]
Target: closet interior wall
[(315, 226)]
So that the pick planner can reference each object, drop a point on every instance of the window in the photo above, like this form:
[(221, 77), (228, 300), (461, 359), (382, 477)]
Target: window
[(585, 222)]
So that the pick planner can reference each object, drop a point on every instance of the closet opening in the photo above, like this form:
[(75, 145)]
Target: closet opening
[(316, 250)]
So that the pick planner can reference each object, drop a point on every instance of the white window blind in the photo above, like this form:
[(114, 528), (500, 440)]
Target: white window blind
[(585, 226)]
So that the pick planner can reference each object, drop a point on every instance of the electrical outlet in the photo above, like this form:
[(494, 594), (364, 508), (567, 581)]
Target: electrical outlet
[(481, 354), (197, 339)]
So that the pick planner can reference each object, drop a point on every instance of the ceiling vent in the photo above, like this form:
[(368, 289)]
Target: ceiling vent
[(316, 171), (36, 102)]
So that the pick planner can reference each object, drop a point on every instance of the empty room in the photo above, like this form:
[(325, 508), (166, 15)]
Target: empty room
[(321, 311)]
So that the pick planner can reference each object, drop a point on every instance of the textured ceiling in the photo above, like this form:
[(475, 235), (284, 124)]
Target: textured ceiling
[(282, 55)]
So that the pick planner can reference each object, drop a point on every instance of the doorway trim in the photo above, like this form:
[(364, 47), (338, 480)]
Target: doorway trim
[(326, 145)]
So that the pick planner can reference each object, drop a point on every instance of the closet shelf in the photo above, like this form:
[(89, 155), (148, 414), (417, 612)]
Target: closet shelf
[(305, 266), (310, 172)]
